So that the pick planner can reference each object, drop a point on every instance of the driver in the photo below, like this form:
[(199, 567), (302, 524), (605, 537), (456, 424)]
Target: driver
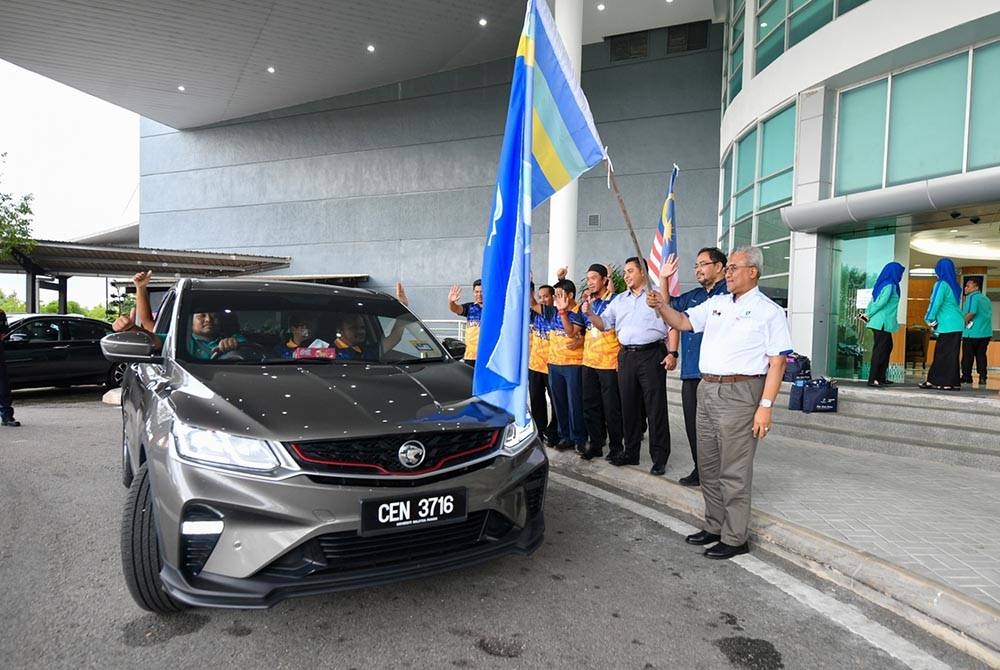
[(206, 341)]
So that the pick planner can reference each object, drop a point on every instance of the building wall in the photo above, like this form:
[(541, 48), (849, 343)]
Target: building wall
[(396, 182)]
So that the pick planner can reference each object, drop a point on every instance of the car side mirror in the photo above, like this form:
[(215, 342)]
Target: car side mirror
[(130, 347), (454, 347), (17, 337)]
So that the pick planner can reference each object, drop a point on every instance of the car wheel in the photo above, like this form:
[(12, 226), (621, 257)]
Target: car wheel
[(115, 375), (141, 560)]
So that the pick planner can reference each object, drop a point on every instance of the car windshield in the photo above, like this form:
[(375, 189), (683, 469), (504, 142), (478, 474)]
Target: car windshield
[(297, 326)]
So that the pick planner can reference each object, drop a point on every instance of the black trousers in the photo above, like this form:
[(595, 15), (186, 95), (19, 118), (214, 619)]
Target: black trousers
[(642, 383), (689, 400), (974, 349), (881, 350), (6, 406), (602, 409), (945, 368), (538, 386)]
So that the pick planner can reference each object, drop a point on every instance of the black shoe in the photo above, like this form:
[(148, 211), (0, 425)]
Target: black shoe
[(658, 470), (621, 459), (722, 550), (592, 453), (10, 422), (966, 380), (691, 480), (702, 537), (563, 445), (982, 381), (613, 454)]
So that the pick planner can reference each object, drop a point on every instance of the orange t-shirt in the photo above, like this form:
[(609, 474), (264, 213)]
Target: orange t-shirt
[(600, 349), (560, 352)]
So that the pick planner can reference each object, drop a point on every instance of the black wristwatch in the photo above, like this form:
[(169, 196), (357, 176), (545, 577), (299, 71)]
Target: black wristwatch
[(675, 354)]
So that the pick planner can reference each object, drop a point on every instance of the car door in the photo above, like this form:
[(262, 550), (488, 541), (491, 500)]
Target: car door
[(36, 352), (86, 361)]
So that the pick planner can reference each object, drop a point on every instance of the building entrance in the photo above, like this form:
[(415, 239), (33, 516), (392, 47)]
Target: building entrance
[(858, 258)]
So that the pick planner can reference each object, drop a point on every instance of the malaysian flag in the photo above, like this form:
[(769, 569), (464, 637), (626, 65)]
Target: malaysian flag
[(665, 241)]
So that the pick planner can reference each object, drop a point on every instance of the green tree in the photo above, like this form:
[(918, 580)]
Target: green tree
[(15, 220), (72, 307), (11, 304)]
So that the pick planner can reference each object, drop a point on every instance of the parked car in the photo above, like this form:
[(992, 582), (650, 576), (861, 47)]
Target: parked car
[(314, 439), (58, 350)]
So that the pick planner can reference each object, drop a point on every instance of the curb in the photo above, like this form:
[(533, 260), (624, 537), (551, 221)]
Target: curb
[(113, 397), (967, 624)]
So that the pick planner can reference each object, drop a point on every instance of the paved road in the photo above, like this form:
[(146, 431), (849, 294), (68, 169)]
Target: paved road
[(611, 588)]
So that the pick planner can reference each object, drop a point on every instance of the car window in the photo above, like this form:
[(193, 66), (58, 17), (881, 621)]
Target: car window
[(37, 331), (164, 314), (86, 330), (273, 326)]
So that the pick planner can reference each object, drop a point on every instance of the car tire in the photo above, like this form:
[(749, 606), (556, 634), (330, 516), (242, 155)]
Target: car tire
[(141, 561), (116, 373)]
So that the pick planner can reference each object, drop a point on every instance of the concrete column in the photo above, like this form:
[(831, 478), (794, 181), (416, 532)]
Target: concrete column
[(563, 205), (809, 305)]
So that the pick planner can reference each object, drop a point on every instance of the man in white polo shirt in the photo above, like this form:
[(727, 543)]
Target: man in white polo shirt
[(743, 353)]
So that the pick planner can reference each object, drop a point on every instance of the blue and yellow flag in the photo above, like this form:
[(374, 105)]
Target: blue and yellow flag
[(549, 140)]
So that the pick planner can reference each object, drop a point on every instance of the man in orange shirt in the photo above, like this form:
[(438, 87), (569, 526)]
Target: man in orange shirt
[(565, 367), (602, 405), (473, 313)]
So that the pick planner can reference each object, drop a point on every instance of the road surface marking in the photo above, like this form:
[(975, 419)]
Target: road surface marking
[(841, 613)]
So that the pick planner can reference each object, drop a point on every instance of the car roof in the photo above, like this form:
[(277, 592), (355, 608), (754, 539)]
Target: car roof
[(11, 318), (278, 286)]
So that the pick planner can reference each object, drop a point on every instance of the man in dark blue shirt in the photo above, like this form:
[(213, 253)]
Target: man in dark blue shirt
[(709, 271), (6, 404)]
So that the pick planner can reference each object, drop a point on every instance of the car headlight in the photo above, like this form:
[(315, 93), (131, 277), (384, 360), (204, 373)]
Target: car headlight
[(516, 438), (216, 448)]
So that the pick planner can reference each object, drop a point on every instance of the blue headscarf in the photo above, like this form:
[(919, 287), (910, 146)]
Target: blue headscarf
[(945, 271), (890, 276)]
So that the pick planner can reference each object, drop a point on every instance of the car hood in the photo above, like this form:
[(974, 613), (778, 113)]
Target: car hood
[(336, 400)]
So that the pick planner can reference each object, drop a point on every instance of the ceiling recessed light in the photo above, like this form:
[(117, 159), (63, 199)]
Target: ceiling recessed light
[(763, 24), (917, 265), (270, 69), (669, 1), (601, 7), (181, 88), (977, 241), (371, 48), (482, 22), (953, 230)]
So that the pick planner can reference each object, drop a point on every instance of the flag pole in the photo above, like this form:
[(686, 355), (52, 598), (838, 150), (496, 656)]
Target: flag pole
[(628, 222)]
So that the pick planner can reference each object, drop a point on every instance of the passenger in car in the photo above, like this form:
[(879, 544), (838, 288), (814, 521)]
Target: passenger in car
[(351, 336), (301, 334)]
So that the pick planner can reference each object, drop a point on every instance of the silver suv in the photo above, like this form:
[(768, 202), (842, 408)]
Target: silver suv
[(283, 439)]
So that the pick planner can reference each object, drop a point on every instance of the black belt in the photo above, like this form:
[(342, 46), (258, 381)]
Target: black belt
[(642, 347)]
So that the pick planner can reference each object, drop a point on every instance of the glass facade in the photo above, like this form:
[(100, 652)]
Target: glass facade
[(984, 129), (857, 261), (913, 125), (756, 183), (781, 24), (733, 65)]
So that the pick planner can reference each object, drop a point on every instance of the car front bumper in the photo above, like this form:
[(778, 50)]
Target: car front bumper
[(300, 537)]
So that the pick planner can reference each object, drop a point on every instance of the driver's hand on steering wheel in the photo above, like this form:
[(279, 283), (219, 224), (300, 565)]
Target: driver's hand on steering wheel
[(227, 344)]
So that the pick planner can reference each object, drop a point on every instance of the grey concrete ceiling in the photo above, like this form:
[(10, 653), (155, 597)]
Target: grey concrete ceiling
[(135, 53)]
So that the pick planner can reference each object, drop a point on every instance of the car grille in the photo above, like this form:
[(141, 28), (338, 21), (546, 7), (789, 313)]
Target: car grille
[(347, 551), (380, 455)]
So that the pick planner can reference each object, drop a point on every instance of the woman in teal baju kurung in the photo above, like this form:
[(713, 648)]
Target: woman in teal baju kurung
[(881, 320), (947, 319)]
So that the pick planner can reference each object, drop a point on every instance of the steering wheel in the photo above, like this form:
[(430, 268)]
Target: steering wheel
[(246, 351)]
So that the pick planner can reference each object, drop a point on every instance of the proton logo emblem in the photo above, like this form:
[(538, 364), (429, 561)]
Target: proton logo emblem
[(412, 454)]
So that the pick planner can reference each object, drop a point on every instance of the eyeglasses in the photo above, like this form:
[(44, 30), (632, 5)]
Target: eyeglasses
[(698, 266), (729, 269)]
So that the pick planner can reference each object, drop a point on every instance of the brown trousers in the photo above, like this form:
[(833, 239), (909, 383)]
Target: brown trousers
[(726, 448)]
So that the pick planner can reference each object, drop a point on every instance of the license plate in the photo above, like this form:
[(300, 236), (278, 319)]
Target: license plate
[(414, 511)]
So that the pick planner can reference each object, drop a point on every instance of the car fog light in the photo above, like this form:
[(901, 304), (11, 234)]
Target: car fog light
[(202, 528)]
